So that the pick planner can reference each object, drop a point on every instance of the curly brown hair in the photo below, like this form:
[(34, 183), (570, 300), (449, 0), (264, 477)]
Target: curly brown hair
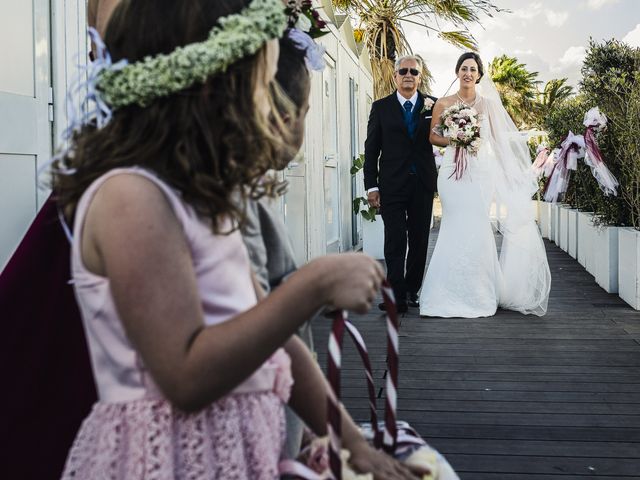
[(207, 141)]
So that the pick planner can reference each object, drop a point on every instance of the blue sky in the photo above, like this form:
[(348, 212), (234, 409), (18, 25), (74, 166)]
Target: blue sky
[(549, 36)]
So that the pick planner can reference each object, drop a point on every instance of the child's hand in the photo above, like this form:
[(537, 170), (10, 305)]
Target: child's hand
[(349, 281), (365, 459)]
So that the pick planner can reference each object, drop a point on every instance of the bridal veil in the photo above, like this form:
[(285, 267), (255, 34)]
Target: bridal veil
[(526, 276)]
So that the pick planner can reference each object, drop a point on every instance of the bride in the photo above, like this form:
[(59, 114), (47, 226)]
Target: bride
[(465, 277)]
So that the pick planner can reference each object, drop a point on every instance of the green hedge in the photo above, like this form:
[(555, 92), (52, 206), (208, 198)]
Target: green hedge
[(611, 81)]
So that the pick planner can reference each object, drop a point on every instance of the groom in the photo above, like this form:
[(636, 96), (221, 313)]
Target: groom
[(400, 177)]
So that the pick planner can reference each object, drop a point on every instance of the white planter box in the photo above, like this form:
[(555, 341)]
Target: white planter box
[(572, 231), (591, 258), (544, 208), (536, 210), (563, 229), (555, 218), (605, 254), (628, 266), (373, 238), (585, 238)]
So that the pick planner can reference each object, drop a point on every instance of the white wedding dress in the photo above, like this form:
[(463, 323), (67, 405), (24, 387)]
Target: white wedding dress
[(465, 278)]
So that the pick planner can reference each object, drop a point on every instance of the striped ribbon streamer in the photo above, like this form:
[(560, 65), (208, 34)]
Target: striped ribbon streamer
[(391, 406), (334, 424), (389, 438)]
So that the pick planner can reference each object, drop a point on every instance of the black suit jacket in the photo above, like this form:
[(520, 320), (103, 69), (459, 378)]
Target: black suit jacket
[(389, 151)]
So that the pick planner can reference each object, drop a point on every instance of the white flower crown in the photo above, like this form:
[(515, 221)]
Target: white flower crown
[(105, 86), (237, 36)]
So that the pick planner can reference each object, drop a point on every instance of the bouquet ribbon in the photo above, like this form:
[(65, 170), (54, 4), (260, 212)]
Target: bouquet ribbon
[(461, 161)]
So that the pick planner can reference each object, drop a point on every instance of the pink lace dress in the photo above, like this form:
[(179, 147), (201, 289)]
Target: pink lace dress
[(133, 432)]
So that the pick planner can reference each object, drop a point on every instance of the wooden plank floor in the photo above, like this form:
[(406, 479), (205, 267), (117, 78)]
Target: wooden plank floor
[(514, 396)]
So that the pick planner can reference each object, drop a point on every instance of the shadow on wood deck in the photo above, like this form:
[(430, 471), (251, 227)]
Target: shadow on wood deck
[(513, 396)]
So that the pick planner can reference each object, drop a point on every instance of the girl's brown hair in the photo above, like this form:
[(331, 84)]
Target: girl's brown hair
[(207, 141)]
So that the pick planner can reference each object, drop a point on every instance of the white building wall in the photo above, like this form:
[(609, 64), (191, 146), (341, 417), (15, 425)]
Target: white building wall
[(342, 49), (25, 129), (70, 49)]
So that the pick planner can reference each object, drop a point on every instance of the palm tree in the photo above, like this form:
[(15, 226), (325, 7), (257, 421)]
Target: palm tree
[(555, 91), (380, 27), (518, 88)]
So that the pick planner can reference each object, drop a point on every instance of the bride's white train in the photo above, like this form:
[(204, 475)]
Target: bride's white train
[(466, 277)]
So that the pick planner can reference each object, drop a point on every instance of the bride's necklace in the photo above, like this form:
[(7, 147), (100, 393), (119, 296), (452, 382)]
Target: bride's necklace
[(471, 104)]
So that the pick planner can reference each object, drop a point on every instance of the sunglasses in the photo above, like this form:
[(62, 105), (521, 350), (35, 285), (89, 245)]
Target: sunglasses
[(413, 71)]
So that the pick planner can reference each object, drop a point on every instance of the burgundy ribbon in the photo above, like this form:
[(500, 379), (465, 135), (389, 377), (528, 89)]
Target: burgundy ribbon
[(592, 146), (391, 406), (560, 175), (334, 424), (460, 160)]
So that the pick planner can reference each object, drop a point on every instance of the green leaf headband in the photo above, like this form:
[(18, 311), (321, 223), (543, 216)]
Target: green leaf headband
[(237, 36)]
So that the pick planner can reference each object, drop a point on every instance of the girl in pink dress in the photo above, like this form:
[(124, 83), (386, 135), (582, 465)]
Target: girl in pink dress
[(192, 365)]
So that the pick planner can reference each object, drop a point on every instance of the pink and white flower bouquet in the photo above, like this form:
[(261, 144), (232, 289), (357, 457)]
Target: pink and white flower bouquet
[(460, 123)]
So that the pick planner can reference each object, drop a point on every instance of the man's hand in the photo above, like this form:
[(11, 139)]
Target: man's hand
[(374, 199)]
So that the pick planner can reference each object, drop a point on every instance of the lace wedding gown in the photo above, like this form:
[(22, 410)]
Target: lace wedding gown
[(465, 278)]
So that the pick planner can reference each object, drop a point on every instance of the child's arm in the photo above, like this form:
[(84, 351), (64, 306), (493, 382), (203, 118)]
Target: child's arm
[(132, 236), (309, 400)]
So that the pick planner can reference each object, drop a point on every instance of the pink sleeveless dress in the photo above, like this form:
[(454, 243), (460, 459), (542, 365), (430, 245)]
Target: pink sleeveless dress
[(133, 432)]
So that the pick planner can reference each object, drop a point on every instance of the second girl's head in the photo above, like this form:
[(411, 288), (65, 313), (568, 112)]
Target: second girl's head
[(469, 69), (206, 140), (293, 77)]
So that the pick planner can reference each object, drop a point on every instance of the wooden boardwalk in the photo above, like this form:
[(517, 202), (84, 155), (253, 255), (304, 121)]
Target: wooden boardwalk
[(516, 397)]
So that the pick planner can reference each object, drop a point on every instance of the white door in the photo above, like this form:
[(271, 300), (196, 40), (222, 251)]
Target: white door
[(295, 207), (330, 152), (25, 128)]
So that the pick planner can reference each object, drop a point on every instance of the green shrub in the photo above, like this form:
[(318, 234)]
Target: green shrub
[(610, 78), (361, 204), (627, 153), (611, 81)]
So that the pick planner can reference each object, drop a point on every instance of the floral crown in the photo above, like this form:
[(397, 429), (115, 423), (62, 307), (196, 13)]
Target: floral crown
[(105, 86), (235, 37)]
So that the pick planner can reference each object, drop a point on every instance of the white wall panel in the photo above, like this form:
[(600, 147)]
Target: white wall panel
[(17, 201)]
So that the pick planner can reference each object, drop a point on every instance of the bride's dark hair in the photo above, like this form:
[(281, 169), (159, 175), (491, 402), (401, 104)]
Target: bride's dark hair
[(474, 56)]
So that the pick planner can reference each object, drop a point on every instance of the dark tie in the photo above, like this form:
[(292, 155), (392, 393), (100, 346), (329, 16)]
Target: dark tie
[(411, 127), (407, 114)]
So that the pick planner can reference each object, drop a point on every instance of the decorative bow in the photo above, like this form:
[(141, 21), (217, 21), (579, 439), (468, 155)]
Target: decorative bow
[(571, 149), (544, 162), (596, 122)]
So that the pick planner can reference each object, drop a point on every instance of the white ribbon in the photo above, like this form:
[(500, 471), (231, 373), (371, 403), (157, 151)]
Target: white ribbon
[(314, 52), (595, 118)]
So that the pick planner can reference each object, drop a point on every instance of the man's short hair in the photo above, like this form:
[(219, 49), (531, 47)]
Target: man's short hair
[(417, 59)]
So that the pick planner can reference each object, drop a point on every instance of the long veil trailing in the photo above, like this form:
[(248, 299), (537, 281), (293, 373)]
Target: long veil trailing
[(526, 275)]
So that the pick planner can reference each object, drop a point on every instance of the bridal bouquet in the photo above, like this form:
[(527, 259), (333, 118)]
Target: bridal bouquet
[(461, 125)]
